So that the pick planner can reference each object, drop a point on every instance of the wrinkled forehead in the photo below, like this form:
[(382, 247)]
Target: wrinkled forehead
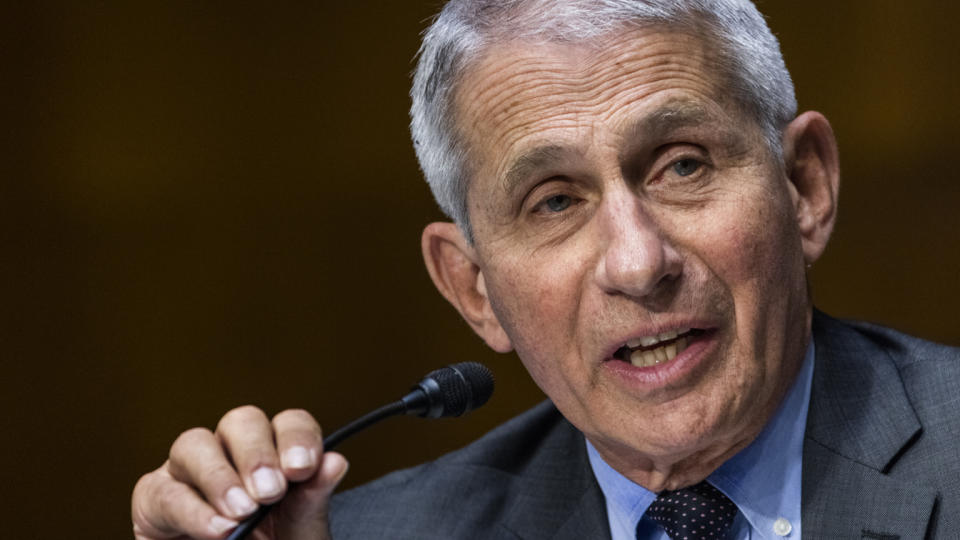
[(517, 89)]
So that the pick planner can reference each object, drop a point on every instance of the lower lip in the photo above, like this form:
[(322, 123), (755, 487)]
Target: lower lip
[(669, 373)]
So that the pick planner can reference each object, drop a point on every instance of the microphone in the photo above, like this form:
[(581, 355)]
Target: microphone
[(448, 391)]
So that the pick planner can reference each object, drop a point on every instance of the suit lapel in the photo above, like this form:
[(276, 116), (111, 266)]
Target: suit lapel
[(860, 422), (558, 497)]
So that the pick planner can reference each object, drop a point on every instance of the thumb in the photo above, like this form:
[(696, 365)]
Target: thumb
[(303, 514)]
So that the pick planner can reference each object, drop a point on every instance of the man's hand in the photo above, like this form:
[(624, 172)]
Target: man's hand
[(213, 480)]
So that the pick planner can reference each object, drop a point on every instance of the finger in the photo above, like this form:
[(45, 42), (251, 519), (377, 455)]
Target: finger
[(247, 435), (197, 459), (303, 514), (299, 443), (163, 507)]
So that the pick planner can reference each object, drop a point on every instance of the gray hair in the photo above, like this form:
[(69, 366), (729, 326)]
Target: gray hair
[(747, 52)]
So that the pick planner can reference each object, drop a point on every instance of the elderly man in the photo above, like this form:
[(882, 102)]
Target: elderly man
[(635, 204)]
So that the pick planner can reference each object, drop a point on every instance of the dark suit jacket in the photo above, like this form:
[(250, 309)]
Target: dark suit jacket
[(881, 459)]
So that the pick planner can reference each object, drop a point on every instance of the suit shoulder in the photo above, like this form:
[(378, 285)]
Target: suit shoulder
[(507, 449), (907, 350), (929, 372), (904, 349), (408, 502)]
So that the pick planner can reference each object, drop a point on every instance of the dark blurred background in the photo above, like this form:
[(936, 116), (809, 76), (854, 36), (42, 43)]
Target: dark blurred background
[(205, 205)]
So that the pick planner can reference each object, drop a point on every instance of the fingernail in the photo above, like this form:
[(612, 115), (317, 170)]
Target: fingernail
[(297, 457), (239, 502), (267, 482), (220, 524)]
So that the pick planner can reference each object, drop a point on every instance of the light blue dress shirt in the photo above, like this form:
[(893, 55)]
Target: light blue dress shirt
[(763, 479)]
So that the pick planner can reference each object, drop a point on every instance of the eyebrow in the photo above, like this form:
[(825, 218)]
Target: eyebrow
[(674, 117), (536, 159), (666, 120)]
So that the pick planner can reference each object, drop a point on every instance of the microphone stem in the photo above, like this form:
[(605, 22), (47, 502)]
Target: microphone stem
[(372, 417), (390, 409)]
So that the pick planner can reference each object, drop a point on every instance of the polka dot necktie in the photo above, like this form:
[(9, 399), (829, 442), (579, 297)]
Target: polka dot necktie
[(693, 513)]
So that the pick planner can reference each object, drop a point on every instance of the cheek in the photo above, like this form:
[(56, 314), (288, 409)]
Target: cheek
[(537, 300), (758, 258), (524, 302), (754, 247)]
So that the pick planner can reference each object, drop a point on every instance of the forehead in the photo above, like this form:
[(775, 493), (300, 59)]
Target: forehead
[(521, 95), (593, 68)]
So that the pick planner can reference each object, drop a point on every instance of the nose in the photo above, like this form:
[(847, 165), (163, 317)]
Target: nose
[(638, 258)]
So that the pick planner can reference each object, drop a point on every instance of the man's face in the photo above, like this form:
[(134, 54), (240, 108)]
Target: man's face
[(637, 243)]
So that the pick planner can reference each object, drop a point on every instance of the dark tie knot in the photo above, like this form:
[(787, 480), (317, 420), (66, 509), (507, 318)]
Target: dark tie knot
[(695, 512)]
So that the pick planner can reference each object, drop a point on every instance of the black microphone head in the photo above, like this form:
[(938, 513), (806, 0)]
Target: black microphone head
[(456, 389)]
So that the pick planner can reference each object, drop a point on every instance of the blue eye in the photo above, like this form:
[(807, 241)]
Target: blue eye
[(686, 167), (558, 203)]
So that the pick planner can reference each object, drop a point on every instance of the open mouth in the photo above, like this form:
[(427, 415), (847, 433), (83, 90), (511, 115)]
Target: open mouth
[(652, 350)]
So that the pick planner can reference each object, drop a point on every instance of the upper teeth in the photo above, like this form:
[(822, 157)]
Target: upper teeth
[(648, 341), (658, 355)]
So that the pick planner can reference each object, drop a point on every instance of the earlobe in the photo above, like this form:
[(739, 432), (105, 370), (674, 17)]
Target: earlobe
[(454, 269), (813, 169)]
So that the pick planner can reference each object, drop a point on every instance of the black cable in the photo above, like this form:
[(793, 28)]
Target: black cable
[(388, 410)]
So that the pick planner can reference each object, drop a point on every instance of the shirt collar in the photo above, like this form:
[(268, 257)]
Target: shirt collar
[(763, 479)]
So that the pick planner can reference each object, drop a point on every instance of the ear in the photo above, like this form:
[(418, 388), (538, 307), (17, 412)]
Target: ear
[(813, 169), (453, 266)]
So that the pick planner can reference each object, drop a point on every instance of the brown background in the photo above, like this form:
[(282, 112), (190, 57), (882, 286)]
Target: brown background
[(207, 205)]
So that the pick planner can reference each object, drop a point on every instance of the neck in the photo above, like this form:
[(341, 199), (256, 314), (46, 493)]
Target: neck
[(657, 474)]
